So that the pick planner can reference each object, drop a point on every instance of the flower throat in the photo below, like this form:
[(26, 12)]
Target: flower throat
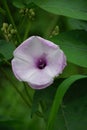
[(41, 63)]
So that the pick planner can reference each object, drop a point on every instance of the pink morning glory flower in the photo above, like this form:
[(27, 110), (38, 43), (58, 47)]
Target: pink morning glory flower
[(38, 61)]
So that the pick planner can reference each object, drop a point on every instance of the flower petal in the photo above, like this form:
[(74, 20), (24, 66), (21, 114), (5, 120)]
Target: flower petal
[(30, 48), (36, 78), (56, 63), (47, 46), (33, 47), (22, 70), (35, 86), (40, 80), (22, 51)]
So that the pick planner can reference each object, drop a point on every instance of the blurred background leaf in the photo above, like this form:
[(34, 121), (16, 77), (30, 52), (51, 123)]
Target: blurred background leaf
[(72, 108), (43, 99), (6, 49), (62, 89), (72, 114), (73, 24), (10, 124), (74, 44), (13, 109), (75, 9)]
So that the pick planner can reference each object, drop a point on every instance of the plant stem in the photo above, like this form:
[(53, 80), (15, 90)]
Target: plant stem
[(27, 30), (29, 97), (51, 27), (11, 18), (16, 87), (7, 62)]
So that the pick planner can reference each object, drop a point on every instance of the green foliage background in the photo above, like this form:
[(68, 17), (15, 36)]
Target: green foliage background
[(63, 105)]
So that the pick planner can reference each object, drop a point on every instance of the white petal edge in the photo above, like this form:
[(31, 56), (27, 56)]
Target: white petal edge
[(22, 70), (40, 80)]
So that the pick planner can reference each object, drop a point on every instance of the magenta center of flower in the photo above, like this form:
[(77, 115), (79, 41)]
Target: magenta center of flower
[(41, 63)]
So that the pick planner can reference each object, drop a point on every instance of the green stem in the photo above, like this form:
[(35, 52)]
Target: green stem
[(23, 20), (27, 30), (51, 27), (7, 62), (16, 87), (28, 95), (11, 18)]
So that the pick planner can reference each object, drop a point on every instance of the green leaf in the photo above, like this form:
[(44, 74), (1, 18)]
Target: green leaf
[(73, 108), (75, 9), (6, 49), (1, 58), (75, 113), (74, 44), (20, 3), (73, 24), (44, 98), (63, 87)]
